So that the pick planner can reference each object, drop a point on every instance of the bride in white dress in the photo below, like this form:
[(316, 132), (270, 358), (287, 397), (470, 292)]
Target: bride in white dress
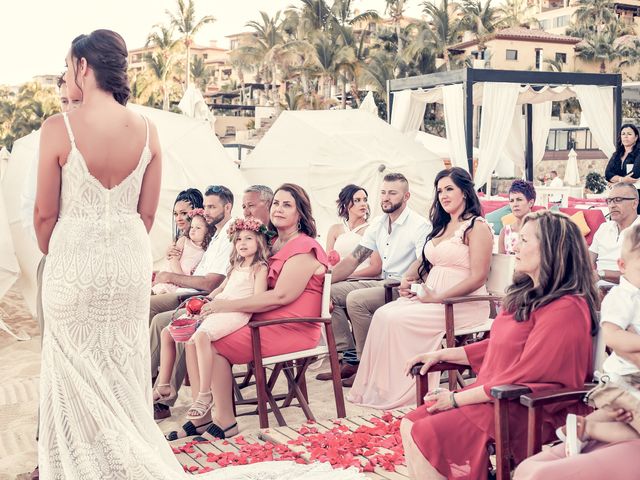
[(98, 189)]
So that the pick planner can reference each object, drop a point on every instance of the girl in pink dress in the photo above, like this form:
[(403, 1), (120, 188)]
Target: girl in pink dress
[(247, 276), (295, 280), (192, 248), (455, 262)]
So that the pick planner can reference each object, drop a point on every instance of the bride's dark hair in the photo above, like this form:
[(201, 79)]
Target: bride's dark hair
[(106, 53)]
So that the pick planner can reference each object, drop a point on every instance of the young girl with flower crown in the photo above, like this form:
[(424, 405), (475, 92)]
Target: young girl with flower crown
[(199, 236), (247, 276)]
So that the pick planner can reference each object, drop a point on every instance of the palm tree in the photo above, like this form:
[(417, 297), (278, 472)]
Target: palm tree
[(161, 68), (446, 27), (184, 20), (419, 53), (333, 60), (200, 73), (267, 48), (482, 20), (395, 10), (602, 47), (515, 13), (597, 14), (378, 70), (162, 59)]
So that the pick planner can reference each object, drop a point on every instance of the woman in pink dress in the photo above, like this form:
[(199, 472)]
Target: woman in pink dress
[(455, 262), (542, 339), (295, 280)]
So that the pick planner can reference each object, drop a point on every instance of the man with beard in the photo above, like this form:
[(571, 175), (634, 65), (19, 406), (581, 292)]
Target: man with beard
[(622, 201), (398, 236), (208, 275)]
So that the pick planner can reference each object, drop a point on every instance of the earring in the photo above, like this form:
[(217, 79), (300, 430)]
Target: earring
[(299, 226)]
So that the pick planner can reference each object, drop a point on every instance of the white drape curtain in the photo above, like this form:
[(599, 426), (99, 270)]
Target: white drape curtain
[(526, 94), (597, 107), (513, 153), (541, 126), (498, 104), (453, 102), (408, 112)]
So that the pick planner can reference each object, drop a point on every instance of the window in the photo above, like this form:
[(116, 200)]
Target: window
[(538, 59), (561, 57), (512, 54), (205, 55), (372, 27), (234, 44), (545, 24), (561, 21)]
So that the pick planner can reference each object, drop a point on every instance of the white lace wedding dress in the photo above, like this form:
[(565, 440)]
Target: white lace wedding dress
[(96, 419)]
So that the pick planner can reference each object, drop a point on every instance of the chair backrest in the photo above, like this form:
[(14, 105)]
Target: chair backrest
[(500, 273), (599, 349), (325, 311)]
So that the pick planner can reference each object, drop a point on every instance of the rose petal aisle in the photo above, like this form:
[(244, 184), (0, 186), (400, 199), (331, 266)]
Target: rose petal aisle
[(372, 444)]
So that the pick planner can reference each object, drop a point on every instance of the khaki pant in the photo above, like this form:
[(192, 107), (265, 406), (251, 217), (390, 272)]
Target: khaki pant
[(354, 301), (164, 302), (158, 323), (40, 316)]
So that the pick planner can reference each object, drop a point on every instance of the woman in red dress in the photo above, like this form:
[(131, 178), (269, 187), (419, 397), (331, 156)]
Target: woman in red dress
[(541, 339), (295, 280)]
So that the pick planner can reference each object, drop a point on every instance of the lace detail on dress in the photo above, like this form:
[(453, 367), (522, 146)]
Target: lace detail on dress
[(459, 233)]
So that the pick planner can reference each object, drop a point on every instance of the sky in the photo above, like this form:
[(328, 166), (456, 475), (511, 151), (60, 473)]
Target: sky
[(35, 35)]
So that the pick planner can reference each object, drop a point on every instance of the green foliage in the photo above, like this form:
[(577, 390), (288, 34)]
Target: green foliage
[(24, 112), (595, 182)]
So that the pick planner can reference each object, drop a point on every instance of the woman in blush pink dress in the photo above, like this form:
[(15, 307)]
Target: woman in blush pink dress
[(295, 280), (455, 262)]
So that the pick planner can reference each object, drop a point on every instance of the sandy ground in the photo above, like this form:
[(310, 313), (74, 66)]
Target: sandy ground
[(19, 377)]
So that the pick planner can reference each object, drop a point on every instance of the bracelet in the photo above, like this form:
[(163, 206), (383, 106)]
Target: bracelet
[(454, 404)]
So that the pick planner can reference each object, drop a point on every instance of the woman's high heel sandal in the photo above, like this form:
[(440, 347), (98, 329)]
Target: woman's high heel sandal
[(200, 408)]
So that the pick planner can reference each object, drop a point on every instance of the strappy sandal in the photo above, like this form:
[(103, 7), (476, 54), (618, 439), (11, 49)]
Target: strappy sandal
[(575, 435), (199, 407), (216, 433), (159, 397), (189, 429)]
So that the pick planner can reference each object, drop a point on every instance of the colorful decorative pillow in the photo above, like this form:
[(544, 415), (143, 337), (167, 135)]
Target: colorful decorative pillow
[(494, 218), (508, 219), (578, 219)]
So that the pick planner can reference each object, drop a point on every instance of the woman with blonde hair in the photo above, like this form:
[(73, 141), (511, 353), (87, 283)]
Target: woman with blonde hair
[(542, 337)]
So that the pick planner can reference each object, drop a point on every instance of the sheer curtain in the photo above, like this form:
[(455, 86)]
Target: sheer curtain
[(513, 153), (408, 112), (597, 108), (453, 102), (541, 126), (498, 104)]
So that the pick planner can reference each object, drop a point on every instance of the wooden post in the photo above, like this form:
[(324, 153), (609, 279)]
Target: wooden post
[(528, 150), (467, 85)]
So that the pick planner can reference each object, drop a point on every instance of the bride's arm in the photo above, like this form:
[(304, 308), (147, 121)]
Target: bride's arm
[(150, 190), (45, 213)]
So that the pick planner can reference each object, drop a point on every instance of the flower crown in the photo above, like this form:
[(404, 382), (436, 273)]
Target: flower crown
[(248, 223), (195, 212)]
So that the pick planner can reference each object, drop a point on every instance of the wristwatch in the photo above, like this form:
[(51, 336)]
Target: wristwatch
[(601, 274)]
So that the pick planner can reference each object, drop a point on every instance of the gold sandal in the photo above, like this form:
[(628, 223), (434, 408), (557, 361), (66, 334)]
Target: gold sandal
[(199, 407)]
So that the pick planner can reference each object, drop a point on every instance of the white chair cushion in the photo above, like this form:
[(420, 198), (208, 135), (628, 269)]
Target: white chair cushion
[(483, 327), (286, 357)]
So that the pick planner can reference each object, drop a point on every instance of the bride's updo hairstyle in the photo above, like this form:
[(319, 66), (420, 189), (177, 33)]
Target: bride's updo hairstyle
[(106, 53)]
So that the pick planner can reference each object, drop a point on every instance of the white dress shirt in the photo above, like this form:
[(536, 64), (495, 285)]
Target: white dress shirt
[(400, 248), (621, 306), (607, 243), (215, 259)]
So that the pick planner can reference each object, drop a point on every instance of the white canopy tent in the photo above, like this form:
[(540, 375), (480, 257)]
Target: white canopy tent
[(502, 94), (192, 157), (325, 150)]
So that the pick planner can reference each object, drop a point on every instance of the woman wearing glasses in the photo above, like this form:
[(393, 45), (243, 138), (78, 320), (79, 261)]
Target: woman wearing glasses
[(624, 164)]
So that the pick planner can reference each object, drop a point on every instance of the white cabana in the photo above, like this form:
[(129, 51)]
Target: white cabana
[(193, 105), (192, 157), (502, 94), (325, 150)]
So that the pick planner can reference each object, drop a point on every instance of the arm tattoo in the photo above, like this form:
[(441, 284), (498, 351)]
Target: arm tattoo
[(361, 253)]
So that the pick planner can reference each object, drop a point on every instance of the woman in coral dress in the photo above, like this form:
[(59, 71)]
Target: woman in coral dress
[(295, 281), (542, 339), (457, 254)]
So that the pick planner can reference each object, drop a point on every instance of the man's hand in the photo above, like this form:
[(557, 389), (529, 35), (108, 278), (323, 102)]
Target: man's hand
[(162, 277)]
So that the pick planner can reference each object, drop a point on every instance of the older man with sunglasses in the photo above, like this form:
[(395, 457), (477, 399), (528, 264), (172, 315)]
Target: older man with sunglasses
[(622, 201)]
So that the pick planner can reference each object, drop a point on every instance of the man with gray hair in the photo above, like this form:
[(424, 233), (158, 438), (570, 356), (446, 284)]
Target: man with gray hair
[(256, 202), (622, 201)]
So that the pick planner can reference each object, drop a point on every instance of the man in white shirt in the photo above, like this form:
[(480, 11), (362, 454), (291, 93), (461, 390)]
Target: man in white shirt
[(398, 236), (208, 275), (556, 181), (622, 201)]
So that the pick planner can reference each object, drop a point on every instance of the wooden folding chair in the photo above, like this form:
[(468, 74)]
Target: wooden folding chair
[(294, 366), (499, 278)]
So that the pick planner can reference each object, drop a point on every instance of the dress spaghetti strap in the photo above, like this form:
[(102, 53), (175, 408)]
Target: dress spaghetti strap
[(69, 131)]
